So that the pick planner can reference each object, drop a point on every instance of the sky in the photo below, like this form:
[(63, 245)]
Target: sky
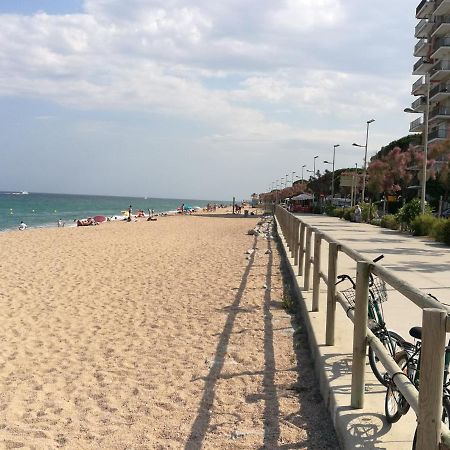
[(196, 98)]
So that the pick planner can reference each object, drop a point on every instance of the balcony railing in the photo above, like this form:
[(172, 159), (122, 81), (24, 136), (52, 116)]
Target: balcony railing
[(420, 26), (418, 84), (441, 42), (442, 6), (419, 103), (420, 62), (440, 88), (422, 5), (416, 125), (419, 45), (441, 111), (440, 133), (440, 65)]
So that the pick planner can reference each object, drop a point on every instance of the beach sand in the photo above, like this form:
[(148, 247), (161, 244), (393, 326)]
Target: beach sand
[(152, 335)]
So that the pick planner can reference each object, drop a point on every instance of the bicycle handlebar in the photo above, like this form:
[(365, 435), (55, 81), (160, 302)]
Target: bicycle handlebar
[(344, 276)]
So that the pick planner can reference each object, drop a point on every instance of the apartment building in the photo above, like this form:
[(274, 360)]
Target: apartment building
[(433, 66)]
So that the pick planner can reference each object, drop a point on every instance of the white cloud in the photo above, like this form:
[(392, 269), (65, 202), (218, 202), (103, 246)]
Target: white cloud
[(237, 67)]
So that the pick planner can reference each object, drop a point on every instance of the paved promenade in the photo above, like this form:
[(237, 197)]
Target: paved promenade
[(423, 263)]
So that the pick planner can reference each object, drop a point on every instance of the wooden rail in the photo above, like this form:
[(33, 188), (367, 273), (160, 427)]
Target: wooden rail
[(427, 403)]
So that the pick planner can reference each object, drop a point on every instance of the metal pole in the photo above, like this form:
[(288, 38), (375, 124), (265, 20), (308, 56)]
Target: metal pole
[(332, 179), (365, 161), (425, 144)]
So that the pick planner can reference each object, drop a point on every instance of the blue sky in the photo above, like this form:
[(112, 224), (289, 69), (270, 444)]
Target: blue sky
[(193, 98)]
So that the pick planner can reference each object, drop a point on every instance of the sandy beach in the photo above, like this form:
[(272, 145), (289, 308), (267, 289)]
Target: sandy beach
[(152, 335)]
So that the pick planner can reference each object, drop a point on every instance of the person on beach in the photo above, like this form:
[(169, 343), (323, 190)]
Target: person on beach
[(358, 213), (22, 226), (60, 223), (130, 210)]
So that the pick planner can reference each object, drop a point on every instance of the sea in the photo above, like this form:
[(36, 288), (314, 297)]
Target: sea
[(44, 210)]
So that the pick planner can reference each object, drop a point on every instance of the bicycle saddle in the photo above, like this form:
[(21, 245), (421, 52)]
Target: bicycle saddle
[(416, 332)]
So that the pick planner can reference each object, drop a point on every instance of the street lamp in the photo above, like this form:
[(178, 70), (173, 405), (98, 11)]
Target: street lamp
[(293, 173), (314, 167), (425, 142), (365, 158), (328, 162), (332, 179), (304, 165)]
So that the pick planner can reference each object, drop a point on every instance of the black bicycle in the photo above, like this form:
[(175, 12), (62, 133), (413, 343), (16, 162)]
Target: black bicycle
[(408, 359), (391, 340)]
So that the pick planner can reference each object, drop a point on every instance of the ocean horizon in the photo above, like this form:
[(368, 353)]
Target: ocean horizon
[(38, 209)]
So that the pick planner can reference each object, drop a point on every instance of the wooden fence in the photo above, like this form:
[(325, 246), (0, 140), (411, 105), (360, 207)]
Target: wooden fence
[(427, 403)]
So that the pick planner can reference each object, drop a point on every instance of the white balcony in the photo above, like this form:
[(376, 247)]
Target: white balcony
[(424, 9), (416, 126), (422, 66), (421, 48), (441, 26), (440, 71), (437, 134), (442, 7), (423, 29), (440, 93), (419, 87), (441, 48), (440, 113), (419, 104)]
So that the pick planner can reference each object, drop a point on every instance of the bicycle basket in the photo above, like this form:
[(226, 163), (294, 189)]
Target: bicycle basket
[(377, 293)]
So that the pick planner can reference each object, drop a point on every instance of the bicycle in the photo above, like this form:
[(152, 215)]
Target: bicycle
[(408, 359), (391, 340)]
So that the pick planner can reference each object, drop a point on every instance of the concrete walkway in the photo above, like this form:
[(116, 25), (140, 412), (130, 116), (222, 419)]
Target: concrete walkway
[(420, 261)]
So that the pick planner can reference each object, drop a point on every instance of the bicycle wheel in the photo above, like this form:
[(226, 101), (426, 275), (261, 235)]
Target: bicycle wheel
[(395, 405), (393, 344), (445, 419)]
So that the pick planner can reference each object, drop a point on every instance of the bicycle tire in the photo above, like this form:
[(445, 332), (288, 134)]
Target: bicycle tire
[(445, 419), (395, 405), (378, 368)]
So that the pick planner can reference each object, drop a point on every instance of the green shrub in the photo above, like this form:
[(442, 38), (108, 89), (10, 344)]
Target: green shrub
[(389, 221), (329, 210), (367, 210), (349, 213), (407, 213), (317, 209), (441, 230), (376, 222), (422, 224), (339, 212)]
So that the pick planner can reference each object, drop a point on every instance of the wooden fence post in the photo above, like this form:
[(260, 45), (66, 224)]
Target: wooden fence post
[(296, 236), (291, 233), (432, 378), (306, 281), (333, 251), (301, 254), (360, 334), (316, 270)]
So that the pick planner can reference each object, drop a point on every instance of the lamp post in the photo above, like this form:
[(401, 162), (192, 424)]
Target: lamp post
[(332, 179), (328, 162), (425, 141), (365, 159), (314, 167), (293, 173), (304, 165)]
